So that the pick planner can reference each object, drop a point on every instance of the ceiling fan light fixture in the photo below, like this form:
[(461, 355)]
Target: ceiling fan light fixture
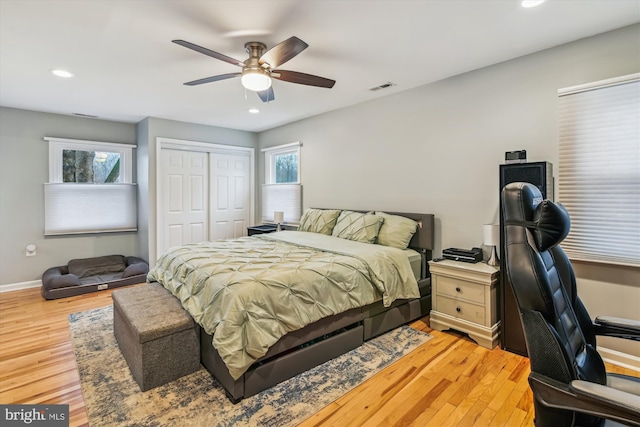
[(256, 80), (62, 73), (531, 3)]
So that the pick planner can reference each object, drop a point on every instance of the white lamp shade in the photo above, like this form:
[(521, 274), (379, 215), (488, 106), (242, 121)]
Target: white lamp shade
[(278, 217), (491, 234)]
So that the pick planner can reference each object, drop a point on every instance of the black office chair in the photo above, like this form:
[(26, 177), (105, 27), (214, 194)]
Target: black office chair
[(568, 378)]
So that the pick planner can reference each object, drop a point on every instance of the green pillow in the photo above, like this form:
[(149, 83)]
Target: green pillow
[(396, 231), (358, 226), (319, 220)]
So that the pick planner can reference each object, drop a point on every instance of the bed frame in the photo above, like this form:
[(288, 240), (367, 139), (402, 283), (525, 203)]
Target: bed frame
[(327, 338)]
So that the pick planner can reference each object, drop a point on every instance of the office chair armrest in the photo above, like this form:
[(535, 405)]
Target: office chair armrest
[(612, 396), (617, 327), (588, 398)]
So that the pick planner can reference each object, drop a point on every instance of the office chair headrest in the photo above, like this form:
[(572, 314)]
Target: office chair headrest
[(548, 222), (551, 225)]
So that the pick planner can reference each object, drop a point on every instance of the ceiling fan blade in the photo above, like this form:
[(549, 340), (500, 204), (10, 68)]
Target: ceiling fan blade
[(209, 52), (282, 52), (267, 95), (302, 78), (213, 79)]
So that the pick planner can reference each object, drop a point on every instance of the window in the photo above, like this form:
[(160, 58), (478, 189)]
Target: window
[(72, 160), (599, 169), (282, 164), (282, 189), (90, 188), (97, 167)]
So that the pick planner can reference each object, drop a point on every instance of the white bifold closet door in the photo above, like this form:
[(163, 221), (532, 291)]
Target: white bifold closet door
[(185, 198), (203, 196), (230, 195)]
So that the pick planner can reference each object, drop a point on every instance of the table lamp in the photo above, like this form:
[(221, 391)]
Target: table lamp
[(492, 238), (278, 218)]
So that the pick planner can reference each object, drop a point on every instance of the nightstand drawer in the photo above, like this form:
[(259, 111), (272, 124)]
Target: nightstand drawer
[(457, 288), (460, 309)]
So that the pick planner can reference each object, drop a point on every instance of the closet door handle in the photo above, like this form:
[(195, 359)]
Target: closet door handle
[(458, 309), (457, 289)]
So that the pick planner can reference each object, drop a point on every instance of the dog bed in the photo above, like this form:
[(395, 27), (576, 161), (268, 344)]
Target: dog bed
[(84, 275)]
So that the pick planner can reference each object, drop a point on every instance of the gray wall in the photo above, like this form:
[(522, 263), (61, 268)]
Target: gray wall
[(24, 168), (152, 128), (437, 149)]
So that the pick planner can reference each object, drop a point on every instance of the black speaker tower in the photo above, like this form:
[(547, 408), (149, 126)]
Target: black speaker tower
[(539, 174)]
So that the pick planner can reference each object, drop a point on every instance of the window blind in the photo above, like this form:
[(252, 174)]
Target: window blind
[(282, 197), (89, 208), (599, 170)]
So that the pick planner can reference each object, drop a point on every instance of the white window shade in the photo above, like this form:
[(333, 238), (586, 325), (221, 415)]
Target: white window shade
[(285, 198), (89, 208), (599, 170)]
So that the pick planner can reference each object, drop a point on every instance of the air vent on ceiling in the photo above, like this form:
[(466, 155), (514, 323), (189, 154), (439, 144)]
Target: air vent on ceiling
[(382, 86), (85, 115)]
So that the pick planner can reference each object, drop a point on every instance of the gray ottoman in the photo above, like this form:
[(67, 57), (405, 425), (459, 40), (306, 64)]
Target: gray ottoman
[(157, 337)]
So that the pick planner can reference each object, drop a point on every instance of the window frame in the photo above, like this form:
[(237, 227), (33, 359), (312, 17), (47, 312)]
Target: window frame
[(270, 161), (97, 207), (58, 145), (288, 195)]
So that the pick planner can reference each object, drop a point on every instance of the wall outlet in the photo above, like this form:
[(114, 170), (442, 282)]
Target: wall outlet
[(31, 250)]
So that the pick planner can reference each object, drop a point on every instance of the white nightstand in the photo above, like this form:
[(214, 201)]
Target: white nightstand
[(464, 299)]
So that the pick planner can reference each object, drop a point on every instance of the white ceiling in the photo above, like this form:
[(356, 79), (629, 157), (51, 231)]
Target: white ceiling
[(127, 68)]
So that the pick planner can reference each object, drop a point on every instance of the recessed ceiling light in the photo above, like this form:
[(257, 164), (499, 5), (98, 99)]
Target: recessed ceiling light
[(531, 3), (254, 110), (62, 73)]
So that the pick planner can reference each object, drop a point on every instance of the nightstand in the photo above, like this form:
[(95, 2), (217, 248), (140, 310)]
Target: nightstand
[(464, 299), (261, 229)]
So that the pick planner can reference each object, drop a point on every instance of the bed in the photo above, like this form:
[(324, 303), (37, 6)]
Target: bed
[(271, 306)]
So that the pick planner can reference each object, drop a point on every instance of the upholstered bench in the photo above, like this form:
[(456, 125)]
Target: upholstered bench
[(157, 337)]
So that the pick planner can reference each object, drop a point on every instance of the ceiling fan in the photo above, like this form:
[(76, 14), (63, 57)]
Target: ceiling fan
[(260, 67)]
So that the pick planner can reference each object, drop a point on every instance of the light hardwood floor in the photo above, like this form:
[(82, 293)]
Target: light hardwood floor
[(449, 381)]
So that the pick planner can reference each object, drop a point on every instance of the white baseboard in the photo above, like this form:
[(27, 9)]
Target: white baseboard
[(22, 285), (618, 358)]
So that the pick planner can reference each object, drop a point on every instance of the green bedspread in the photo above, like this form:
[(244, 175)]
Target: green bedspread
[(251, 291)]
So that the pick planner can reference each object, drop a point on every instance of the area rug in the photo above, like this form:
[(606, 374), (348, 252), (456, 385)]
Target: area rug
[(112, 397)]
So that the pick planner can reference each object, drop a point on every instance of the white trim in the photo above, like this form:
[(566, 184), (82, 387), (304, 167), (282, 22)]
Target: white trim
[(21, 285), (183, 144), (283, 146), (57, 145), (269, 161), (599, 84), (85, 141), (618, 358)]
